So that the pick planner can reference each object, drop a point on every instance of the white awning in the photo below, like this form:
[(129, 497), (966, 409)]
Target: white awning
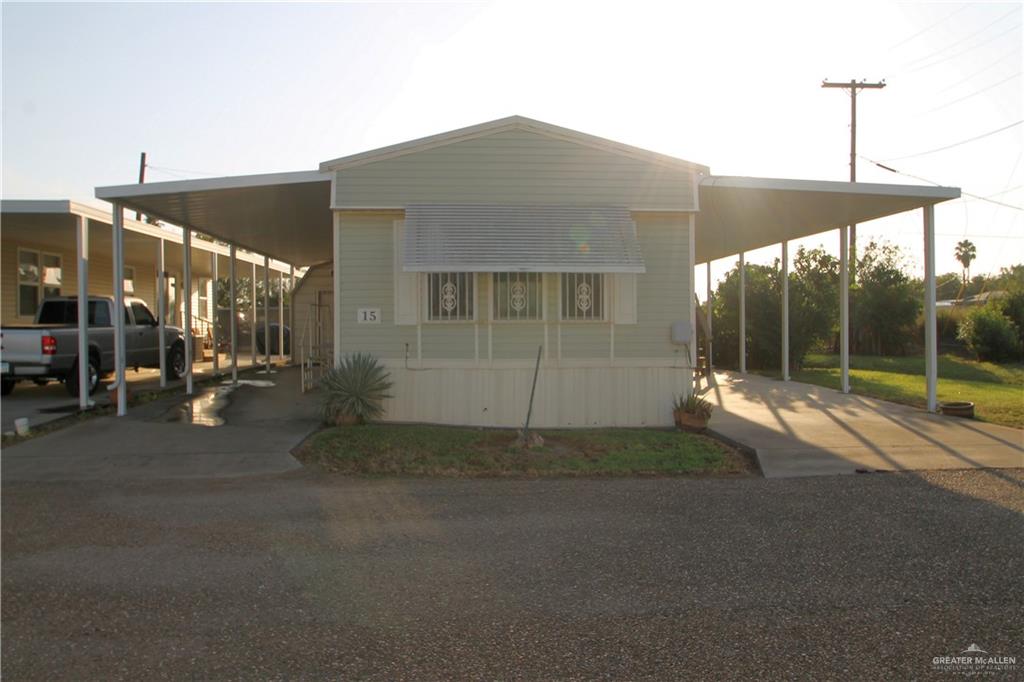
[(485, 238)]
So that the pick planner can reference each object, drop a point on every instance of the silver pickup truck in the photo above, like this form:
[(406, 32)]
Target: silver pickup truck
[(48, 349)]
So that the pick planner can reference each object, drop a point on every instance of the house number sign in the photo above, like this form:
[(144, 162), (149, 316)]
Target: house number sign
[(368, 316)]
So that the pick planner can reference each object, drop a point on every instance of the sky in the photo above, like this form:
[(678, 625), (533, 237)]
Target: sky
[(240, 88)]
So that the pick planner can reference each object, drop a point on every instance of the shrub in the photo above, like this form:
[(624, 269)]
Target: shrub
[(355, 389), (990, 335), (1012, 305)]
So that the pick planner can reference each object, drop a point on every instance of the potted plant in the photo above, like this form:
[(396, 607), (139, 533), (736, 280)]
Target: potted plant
[(692, 412), (354, 391)]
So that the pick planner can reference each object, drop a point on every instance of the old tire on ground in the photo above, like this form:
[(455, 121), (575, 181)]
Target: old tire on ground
[(176, 361), (71, 383), (7, 386)]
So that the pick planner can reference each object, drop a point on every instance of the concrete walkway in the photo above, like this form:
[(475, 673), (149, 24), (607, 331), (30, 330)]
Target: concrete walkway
[(804, 430), (167, 438)]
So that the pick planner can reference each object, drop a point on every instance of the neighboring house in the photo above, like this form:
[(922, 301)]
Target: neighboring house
[(456, 258), (976, 300), (39, 259)]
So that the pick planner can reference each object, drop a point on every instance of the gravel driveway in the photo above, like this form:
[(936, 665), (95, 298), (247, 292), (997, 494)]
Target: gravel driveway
[(315, 577)]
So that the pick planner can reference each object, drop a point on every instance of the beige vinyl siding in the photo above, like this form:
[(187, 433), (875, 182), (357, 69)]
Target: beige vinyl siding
[(101, 277), (515, 167), (368, 282), (663, 292)]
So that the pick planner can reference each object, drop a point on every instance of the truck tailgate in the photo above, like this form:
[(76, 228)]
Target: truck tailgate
[(23, 345)]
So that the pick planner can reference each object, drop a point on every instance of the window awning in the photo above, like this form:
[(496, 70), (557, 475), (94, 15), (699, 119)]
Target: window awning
[(485, 238)]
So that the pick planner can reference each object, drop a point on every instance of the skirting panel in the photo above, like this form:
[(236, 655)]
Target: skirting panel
[(565, 397)]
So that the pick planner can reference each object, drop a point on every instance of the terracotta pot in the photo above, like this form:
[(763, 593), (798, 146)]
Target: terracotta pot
[(957, 409), (345, 420), (687, 421)]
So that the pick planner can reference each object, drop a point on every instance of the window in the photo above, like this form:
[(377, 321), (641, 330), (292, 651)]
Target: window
[(39, 276), (517, 296), (582, 296), (450, 296), (142, 315), (66, 312), (129, 279), (203, 298)]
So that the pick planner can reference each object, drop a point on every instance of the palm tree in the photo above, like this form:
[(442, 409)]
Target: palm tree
[(965, 253)]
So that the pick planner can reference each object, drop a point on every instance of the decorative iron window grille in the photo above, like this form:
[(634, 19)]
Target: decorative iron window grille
[(450, 296), (517, 296), (583, 296)]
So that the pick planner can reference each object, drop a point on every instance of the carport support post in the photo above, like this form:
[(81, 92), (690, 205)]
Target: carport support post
[(336, 302), (214, 274), (930, 346), (280, 316), (186, 260), (161, 308), (844, 310), (785, 311), (252, 323), (232, 265), (266, 311), (291, 313), (708, 318), (117, 225), (743, 314), (82, 237)]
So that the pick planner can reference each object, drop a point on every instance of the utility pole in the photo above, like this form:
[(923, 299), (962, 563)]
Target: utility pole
[(853, 86), (142, 177)]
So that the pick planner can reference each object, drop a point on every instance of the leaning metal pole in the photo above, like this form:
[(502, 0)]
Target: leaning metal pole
[(533, 389)]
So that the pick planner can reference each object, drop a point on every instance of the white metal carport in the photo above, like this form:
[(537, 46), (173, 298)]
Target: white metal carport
[(284, 216), (85, 230), (740, 214)]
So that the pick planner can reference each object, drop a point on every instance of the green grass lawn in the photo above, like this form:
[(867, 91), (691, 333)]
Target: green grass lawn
[(996, 390), (385, 449)]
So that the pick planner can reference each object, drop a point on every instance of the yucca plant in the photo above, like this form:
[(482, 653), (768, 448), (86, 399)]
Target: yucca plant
[(355, 390), (693, 404)]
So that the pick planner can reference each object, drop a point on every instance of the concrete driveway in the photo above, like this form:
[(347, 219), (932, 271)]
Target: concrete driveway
[(44, 404), (167, 438), (803, 430)]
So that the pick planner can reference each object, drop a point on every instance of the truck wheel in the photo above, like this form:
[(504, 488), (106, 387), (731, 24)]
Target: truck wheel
[(7, 386), (71, 383), (176, 361)]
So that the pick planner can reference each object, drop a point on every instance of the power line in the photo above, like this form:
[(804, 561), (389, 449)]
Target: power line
[(963, 52), (1002, 59), (974, 94), (937, 184), (173, 171), (955, 144), (925, 30), (946, 48)]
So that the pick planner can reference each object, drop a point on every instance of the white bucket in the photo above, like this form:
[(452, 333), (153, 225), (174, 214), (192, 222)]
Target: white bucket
[(21, 426)]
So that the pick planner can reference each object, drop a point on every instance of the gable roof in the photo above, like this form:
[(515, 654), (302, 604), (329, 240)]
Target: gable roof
[(501, 125)]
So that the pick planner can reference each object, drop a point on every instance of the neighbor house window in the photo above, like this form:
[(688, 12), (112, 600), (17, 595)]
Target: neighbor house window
[(129, 279), (517, 296), (203, 298), (39, 276), (582, 296), (450, 296)]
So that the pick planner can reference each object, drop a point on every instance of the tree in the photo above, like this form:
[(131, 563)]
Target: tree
[(965, 252), (887, 303), (813, 310)]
